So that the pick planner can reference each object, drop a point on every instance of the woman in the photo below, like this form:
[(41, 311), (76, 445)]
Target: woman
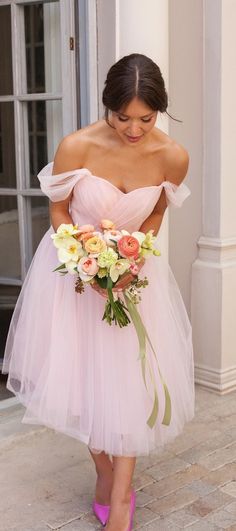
[(71, 370)]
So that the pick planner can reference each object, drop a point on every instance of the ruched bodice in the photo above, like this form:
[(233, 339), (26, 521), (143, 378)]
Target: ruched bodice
[(95, 198)]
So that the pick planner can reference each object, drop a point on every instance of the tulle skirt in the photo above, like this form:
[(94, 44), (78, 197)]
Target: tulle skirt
[(78, 375)]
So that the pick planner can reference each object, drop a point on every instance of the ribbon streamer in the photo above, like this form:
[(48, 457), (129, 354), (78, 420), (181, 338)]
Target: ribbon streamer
[(142, 337)]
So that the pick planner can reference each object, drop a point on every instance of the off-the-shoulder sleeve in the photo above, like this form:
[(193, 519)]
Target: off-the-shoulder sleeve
[(58, 187), (176, 195)]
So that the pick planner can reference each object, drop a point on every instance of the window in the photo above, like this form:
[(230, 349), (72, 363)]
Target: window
[(37, 107)]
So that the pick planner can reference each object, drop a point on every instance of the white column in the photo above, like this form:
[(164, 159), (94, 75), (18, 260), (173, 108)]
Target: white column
[(214, 271)]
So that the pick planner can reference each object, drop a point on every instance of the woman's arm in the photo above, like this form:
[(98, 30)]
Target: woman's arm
[(59, 213), (66, 159), (154, 221), (177, 161)]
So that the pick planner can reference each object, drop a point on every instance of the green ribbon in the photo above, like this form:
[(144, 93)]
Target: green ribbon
[(142, 337)]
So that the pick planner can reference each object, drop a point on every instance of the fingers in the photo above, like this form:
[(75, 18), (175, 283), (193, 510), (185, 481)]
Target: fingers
[(125, 280), (99, 290), (141, 263), (123, 285)]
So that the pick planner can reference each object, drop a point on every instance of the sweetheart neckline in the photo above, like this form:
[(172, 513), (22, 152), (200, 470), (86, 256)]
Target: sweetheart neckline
[(102, 179), (119, 190)]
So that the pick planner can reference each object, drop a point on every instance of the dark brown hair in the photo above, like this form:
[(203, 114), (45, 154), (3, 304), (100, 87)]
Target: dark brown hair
[(134, 75)]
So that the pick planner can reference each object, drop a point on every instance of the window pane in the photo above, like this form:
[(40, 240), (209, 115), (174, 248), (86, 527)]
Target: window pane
[(7, 146), (42, 41), (8, 298), (10, 266), (40, 219), (6, 82), (45, 133), (4, 392), (5, 318), (9, 295)]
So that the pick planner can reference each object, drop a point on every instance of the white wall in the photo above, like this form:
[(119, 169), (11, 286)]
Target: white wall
[(106, 43), (186, 101), (228, 176), (143, 28), (228, 119), (128, 26)]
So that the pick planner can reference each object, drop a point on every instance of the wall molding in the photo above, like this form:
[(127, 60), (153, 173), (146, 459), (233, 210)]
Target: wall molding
[(219, 381), (217, 252)]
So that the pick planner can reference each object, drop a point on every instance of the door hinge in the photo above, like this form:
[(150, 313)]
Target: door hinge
[(72, 43)]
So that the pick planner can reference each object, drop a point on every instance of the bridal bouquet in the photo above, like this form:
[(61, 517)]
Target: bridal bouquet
[(102, 258)]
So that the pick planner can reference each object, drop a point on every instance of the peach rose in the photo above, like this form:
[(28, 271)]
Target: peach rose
[(85, 232), (95, 245), (85, 236), (85, 228), (128, 247), (107, 224), (89, 265), (87, 268)]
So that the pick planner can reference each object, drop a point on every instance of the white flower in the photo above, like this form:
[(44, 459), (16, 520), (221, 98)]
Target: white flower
[(111, 236), (140, 236), (107, 258), (117, 269), (69, 250), (71, 267), (64, 231)]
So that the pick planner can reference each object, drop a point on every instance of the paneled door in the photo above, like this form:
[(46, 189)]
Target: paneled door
[(38, 106)]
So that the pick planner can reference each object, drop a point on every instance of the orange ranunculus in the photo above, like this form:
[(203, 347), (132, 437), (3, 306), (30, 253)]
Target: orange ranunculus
[(95, 245), (128, 247), (85, 236)]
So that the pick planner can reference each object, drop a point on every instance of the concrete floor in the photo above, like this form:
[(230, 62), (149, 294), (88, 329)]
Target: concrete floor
[(47, 479)]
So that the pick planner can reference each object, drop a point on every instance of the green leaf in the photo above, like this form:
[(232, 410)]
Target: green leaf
[(114, 241), (62, 266), (102, 282), (110, 284), (142, 336)]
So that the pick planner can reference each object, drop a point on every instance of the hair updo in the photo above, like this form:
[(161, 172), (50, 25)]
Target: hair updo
[(134, 75)]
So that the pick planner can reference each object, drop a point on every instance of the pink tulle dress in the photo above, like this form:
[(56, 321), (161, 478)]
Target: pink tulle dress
[(71, 370)]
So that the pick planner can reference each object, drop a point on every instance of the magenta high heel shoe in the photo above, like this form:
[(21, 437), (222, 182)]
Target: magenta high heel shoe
[(132, 509), (101, 512)]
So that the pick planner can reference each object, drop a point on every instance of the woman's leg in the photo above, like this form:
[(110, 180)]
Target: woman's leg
[(104, 469), (121, 492)]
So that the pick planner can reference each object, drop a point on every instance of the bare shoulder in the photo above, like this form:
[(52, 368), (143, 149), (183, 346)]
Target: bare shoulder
[(176, 162), (73, 149), (174, 157)]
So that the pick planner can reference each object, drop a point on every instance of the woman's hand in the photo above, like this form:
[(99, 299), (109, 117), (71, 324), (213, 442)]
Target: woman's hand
[(123, 283), (100, 290)]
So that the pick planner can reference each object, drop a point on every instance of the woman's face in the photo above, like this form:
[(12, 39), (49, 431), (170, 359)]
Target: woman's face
[(134, 122)]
